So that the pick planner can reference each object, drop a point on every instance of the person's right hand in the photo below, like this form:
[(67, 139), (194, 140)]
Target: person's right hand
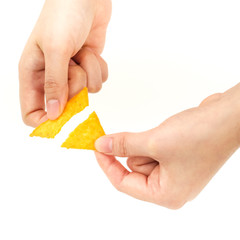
[(62, 56), (170, 165)]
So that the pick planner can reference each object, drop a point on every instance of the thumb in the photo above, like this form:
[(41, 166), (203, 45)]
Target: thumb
[(56, 83), (125, 144)]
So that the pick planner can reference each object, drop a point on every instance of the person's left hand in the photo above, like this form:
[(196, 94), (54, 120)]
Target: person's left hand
[(62, 56)]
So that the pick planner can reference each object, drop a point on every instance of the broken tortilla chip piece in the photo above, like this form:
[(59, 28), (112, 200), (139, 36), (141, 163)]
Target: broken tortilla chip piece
[(85, 134), (51, 128)]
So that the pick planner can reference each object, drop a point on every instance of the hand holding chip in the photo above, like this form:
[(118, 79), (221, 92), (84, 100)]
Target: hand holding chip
[(62, 56), (172, 163), (169, 164)]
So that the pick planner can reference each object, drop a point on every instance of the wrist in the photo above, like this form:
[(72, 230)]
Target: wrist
[(230, 101)]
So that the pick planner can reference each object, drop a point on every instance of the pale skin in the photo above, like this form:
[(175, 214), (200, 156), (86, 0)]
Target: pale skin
[(62, 56), (173, 162), (170, 164)]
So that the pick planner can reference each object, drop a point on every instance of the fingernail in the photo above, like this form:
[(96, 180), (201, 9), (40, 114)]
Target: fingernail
[(104, 145), (53, 109)]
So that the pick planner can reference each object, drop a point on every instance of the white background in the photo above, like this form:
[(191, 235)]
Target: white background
[(164, 57)]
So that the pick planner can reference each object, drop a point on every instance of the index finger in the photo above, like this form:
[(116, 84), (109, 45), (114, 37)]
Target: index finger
[(131, 183), (31, 86)]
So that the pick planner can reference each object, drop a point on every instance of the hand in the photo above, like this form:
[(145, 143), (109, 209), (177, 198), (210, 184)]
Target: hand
[(172, 163), (62, 56)]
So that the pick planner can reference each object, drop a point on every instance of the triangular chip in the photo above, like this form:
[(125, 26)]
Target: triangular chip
[(85, 135), (51, 128)]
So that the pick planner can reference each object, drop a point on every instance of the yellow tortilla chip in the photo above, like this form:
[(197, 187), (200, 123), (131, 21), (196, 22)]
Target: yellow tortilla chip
[(85, 135), (51, 128)]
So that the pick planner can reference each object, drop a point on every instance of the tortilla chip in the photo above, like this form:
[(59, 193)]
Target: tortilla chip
[(51, 128), (85, 135)]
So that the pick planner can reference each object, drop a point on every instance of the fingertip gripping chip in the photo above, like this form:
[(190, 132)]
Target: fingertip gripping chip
[(51, 128)]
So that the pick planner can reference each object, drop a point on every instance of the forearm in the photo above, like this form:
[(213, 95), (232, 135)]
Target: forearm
[(224, 109), (231, 106)]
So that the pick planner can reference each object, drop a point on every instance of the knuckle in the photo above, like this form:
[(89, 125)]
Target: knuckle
[(53, 47), (26, 120), (120, 146), (94, 88), (211, 98), (51, 86)]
